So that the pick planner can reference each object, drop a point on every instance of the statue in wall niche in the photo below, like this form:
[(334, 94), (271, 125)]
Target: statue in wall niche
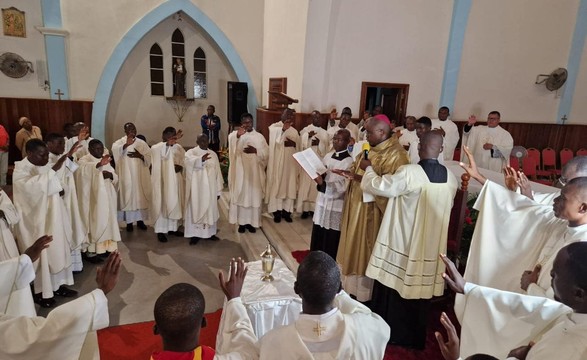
[(179, 77)]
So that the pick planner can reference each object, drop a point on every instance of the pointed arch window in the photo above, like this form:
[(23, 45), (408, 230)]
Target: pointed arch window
[(200, 86), (156, 68), (178, 58)]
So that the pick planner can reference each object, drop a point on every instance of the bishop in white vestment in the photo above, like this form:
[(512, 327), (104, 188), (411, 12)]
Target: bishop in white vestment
[(315, 137), (204, 183), (491, 145), (132, 157), (248, 154), (167, 183)]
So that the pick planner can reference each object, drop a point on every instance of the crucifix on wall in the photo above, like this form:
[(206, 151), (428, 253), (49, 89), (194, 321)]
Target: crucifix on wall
[(59, 93)]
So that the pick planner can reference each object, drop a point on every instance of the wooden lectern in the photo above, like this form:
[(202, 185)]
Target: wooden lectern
[(277, 102)]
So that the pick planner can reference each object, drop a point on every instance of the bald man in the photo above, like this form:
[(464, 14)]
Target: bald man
[(362, 213), (413, 232)]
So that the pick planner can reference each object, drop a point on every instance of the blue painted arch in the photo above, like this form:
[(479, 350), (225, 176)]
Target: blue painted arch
[(137, 32)]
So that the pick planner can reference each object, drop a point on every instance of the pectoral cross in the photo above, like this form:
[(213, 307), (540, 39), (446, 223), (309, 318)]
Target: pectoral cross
[(59, 93), (319, 329)]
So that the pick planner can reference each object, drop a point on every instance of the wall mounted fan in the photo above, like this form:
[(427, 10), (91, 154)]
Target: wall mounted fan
[(14, 66), (554, 80)]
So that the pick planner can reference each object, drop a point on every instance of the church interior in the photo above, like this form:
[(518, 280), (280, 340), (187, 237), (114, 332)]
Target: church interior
[(106, 63)]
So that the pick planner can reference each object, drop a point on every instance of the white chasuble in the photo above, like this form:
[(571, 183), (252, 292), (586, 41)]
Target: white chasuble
[(167, 185), (204, 184), (134, 188), (307, 192), (451, 136), (494, 159), (8, 248), (15, 293)]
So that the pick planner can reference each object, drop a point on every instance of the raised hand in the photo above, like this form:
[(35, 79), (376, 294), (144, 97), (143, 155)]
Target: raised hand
[(530, 277), (450, 347), (34, 251), (525, 187), (441, 131), (240, 132), (471, 169), (179, 134), (453, 278), (130, 139), (104, 161), (472, 120), (510, 178), (84, 133), (236, 277), (107, 275), (76, 146)]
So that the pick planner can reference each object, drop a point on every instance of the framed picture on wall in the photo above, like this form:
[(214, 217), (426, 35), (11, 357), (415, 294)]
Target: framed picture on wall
[(13, 22)]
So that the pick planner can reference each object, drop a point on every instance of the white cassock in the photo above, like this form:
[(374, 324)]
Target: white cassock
[(8, 248), (349, 331), (246, 178), (415, 156), (82, 151), (451, 136), (307, 189), (351, 127), (42, 212), (514, 234), (15, 293), (70, 199), (502, 146), (407, 137), (237, 339), (282, 169), (204, 183), (134, 180), (68, 332), (97, 199), (167, 187), (413, 230), (495, 322)]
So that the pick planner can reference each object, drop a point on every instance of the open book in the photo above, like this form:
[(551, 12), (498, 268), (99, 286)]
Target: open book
[(310, 162)]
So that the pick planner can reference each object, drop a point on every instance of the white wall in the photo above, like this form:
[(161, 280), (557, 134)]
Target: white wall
[(31, 48), (391, 41), (96, 28), (506, 45), (284, 44), (132, 101), (579, 108)]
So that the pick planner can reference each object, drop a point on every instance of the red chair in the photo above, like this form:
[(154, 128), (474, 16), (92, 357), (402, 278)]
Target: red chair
[(549, 161), (566, 154), (582, 152), (457, 155), (529, 168), (514, 163)]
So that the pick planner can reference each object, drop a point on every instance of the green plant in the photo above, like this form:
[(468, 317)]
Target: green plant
[(468, 229)]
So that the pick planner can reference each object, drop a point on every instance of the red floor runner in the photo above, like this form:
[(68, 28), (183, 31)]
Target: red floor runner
[(136, 341)]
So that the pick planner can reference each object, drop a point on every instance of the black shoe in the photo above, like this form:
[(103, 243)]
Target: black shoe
[(194, 240), (305, 214), (311, 213), (92, 259), (44, 303), (161, 237), (287, 216), (241, 228), (65, 292), (78, 272), (141, 225), (104, 254), (251, 228), (213, 238), (277, 217), (129, 227), (176, 233)]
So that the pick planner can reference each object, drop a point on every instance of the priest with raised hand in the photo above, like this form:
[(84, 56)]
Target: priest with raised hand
[(282, 169), (404, 262), (498, 322), (316, 138), (37, 198), (204, 184), (248, 153), (82, 137), (167, 183), (363, 213), (56, 145), (491, 145), (69, 331), (97, 181), (132, 157)]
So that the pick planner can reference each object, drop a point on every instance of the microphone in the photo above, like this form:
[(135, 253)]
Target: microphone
[(366, 147)]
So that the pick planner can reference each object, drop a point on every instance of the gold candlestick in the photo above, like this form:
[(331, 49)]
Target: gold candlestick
[(267, 262)]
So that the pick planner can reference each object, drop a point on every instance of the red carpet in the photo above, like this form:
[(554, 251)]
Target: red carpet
[(136, 341), (299, 255)]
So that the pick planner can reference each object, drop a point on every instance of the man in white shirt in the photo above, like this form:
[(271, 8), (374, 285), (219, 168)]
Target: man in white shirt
[(408, 134), (491, 145), (332, 325), (449, 130), (423, 125), (495, 322), (132, 157)]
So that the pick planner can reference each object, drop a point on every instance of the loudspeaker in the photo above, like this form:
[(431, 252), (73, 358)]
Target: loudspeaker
[(237, 100)]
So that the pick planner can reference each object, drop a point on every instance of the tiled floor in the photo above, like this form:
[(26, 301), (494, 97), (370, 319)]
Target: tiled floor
[(149, 267)]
